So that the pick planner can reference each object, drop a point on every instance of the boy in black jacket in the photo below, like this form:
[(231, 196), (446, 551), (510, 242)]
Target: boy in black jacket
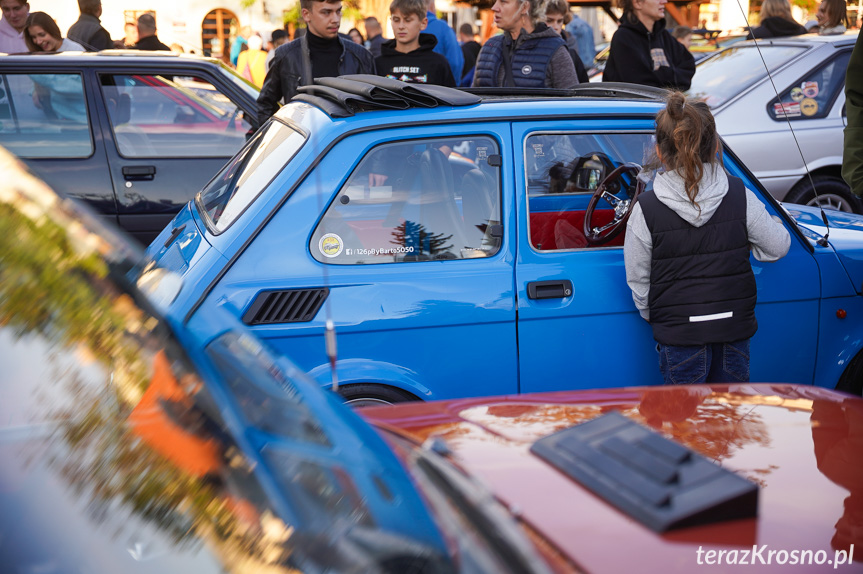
[(410, 56)]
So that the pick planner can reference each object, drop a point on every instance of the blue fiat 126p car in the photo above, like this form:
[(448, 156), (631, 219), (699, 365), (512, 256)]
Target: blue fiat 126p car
[(469, 244)]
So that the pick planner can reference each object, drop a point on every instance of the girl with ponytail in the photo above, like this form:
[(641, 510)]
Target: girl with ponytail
[(687, 251)]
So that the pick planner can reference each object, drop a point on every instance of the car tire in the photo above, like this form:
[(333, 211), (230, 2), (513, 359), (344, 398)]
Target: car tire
[(368, 395), (833, 193)]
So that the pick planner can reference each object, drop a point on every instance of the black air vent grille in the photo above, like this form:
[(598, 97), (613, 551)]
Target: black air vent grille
[(654, 480), (287, 306)]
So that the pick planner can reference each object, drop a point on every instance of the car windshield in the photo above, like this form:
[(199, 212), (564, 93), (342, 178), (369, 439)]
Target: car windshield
[(724, 76), (237, 185)]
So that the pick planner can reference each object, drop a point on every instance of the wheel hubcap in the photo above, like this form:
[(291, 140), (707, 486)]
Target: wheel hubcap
[(831, 201)]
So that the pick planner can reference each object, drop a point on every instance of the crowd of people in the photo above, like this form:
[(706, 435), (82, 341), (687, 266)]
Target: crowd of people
[(541, 44), (24, 31)]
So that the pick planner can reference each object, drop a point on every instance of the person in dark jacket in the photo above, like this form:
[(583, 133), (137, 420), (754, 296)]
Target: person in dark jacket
[(776, 21), (319, 53), (147, 39), (376, 37), (644, 52), (687, 248), (528, 54), (410, 57), (88, 30), (852, 153), (469, 47), (557, 16)]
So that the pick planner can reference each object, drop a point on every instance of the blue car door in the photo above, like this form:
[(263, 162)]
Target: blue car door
[(403, 238), (577, 323)]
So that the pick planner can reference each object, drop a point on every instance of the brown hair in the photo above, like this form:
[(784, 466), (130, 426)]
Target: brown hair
[(686, 139), (89, 6), (559, 7), (681, 32), (628, 9), (778, 8), (45, 22), (837, 12), (409, 7), (307, 4)]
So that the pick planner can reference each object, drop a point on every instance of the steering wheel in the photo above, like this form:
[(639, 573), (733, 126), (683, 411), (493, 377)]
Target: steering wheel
[(622, 207)]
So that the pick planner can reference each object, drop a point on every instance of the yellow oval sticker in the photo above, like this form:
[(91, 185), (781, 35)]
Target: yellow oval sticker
[(808, 107), (331, 245)]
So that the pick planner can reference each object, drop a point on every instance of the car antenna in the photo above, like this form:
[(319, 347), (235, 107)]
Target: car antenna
[(330, 329), (822, 241)]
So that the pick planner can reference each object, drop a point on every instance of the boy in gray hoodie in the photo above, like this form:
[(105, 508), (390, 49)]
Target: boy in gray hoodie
[(687, 252)]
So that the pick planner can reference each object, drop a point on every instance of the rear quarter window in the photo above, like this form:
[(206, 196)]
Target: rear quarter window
[(813, 95)]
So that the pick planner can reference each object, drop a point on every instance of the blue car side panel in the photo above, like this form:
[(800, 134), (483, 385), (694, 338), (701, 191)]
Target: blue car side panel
[(450, 322), (442, 329)]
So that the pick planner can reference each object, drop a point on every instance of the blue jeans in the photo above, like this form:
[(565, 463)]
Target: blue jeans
[(711, 363)]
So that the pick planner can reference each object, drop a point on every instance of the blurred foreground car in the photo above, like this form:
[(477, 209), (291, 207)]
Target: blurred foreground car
[(809, 74), (464, 250), (135, 134), (135, 444)]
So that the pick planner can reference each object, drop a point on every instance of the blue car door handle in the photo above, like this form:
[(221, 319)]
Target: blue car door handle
[(549, 289)]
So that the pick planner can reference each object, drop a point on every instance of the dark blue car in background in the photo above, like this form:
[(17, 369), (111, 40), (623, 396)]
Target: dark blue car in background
[(470, 245)]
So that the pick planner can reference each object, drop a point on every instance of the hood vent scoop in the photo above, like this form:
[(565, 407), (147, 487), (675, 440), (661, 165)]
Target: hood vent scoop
[(287, 306), (656, 481)]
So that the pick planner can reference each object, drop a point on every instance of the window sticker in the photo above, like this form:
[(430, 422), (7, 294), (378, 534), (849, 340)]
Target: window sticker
[(797, 94), (810, 89), (537, 150), (809, 107), (787, 109), (331, 245)]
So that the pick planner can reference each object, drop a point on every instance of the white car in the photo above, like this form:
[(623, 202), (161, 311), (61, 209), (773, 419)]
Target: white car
[(809, 75)]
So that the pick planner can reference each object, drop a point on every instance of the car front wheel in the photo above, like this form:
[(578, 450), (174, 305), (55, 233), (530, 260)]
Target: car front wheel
[(833, 193), (368, 395)]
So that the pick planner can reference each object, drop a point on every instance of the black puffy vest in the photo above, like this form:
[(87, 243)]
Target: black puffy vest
[(702, 289), (529, 61)]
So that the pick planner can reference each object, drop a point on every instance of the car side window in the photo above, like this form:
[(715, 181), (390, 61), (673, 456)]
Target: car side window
[(172, 116), (416, 200), (44, 115), (563, 171), (813, 96)]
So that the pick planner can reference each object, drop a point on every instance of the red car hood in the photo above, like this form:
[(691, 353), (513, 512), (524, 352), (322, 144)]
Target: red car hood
[(803, 445)]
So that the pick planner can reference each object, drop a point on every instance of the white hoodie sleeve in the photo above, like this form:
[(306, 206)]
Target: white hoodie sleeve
[(767, 235), (637, 253)]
